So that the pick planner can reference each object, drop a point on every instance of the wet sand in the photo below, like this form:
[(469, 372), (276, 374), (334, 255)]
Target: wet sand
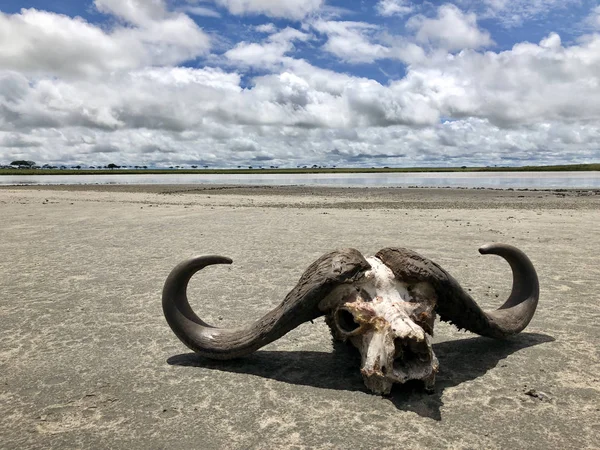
[(88, 361)]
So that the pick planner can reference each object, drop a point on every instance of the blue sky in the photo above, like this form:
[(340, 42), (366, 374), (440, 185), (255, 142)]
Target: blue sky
[(263, 82)]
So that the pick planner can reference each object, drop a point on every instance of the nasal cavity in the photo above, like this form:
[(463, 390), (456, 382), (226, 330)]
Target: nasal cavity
[(398, 348), (407, 350)]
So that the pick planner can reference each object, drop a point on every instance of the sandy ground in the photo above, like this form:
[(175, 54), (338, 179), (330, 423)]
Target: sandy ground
[(88, 361)]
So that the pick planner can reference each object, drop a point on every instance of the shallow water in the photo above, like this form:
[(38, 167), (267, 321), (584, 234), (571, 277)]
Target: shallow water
[(503, 180)]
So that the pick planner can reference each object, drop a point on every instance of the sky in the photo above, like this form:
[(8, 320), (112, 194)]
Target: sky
[(228, 83)]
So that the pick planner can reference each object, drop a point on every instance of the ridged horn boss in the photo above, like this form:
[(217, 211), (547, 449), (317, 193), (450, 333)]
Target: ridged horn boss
[(384, 305)]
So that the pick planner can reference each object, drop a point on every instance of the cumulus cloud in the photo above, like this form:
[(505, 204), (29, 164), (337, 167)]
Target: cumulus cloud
[(269, 53), (506, 95), (452, 29), (17, 140), (40, 41), (527, 84), (289, 9), (150, 98), (361, 42), (394, 7), (455, 103), (350, 41), (509, 103)]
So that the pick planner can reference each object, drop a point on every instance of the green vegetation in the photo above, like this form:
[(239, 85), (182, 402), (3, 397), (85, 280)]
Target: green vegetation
[(113, 171), (23, 163)]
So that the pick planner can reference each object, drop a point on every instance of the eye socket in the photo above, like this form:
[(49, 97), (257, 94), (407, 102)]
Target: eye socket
[(345, 321)]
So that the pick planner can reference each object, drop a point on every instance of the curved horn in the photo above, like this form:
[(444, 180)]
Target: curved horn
[(299, 306), (454, 305)]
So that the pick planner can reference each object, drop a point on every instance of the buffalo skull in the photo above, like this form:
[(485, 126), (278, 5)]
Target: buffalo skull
[(384, 305)]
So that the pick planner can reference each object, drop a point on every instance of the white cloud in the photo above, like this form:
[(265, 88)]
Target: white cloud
[(137, 12), (394, 7), (539, 100), (350, 41), (268, 28), (200, 11), (269, 53), (289, 9), (403, 50), (513, 13), (264, 56), (150, 98), (17, 140), (39, 41), (451, 29), (593, 19), (528, 84), (462, 107)]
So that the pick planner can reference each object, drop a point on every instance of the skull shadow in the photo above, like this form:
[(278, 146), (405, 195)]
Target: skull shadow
[(460, 360)]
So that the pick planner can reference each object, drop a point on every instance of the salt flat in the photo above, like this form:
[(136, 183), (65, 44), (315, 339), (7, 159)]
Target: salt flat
[(87, 359)]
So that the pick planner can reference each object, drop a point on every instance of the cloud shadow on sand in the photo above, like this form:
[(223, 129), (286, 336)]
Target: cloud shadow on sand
[(460, 360)]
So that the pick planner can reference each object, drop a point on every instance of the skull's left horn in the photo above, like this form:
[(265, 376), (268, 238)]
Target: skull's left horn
[(299, 306), (455, 305)]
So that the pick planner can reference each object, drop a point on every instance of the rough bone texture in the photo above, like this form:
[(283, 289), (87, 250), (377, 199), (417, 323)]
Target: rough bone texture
[(393, 323)]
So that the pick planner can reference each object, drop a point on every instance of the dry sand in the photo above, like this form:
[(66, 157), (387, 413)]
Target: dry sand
[(88, 361)]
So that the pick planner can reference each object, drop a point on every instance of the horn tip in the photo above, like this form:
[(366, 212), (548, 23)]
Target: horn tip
[(494, 247), (211, 259), (485, 249)]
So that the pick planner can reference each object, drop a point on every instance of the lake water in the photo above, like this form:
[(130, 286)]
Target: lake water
[(502, 180)]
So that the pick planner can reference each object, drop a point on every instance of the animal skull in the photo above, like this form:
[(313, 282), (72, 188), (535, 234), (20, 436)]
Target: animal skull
[(384, 305), (390, 322)]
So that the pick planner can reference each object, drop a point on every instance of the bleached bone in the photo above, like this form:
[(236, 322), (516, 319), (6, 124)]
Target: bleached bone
[(384, 305)]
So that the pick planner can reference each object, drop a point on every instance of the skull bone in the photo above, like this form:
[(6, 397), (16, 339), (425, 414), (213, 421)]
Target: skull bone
[(390, 322)]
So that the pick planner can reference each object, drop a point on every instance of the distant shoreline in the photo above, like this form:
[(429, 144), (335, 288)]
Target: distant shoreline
[(247, 171), (358, 198)]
